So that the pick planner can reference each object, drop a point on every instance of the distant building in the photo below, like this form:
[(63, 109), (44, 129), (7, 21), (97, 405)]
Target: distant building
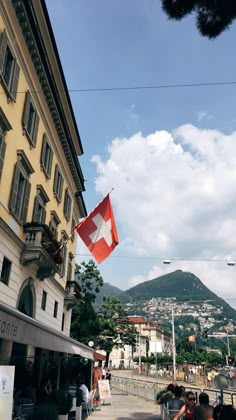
[(149, 340)]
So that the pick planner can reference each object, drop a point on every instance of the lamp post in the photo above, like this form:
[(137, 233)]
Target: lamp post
[(173, 343), (173, 337), (139, 348)]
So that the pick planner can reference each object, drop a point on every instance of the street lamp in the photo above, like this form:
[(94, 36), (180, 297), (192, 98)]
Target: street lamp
[(231, 263), (173, 337), (166, 261)]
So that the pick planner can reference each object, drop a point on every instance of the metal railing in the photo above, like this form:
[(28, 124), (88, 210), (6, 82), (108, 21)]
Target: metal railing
[(148, 390)]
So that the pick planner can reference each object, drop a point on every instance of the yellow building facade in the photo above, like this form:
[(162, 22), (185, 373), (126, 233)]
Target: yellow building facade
[(41, 186)]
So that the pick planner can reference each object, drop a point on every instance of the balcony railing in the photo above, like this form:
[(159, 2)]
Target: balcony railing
[(40, 248)]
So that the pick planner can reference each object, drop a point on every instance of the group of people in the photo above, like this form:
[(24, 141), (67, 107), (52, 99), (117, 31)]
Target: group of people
[(180, 404)]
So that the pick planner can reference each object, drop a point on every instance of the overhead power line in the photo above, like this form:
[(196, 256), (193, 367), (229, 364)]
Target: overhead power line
[(150, 87), (138, 87), (159, 258)]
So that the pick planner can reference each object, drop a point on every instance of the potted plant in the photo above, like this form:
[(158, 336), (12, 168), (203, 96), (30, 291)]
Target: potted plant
[(79, 400)]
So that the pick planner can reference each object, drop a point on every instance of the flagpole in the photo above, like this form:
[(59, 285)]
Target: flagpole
[(78, 224)]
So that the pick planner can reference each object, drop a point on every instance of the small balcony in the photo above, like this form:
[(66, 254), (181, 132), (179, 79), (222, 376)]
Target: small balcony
[(39, 248), (73, 294)]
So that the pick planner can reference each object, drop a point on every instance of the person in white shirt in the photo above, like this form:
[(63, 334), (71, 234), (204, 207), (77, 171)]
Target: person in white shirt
[(85, 392)]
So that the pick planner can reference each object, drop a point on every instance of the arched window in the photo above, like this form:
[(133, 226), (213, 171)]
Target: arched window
[(26, 300)]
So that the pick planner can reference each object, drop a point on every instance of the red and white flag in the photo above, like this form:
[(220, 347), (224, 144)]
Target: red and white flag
[(191, 338), (98, 230)]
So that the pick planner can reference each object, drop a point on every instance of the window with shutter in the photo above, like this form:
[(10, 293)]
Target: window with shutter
[(53, 224), (58, 184), (40, 201), (62, 267), (67, 205), (9, 69), (46, 157), (30, 120), (20, 191), (69, 271), (4, 128), (73, 228), (26, 197), (2, 151)]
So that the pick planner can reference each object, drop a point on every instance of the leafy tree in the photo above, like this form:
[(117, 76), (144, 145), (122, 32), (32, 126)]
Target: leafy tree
[(85, 325), (212, 16), (116, 330)]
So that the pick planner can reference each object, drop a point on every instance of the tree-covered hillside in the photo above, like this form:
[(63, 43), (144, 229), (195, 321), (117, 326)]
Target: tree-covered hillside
[(107, 290), (183, 286)]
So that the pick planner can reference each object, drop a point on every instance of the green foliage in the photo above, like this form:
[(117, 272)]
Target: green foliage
[(107, 290), (90, 280), (115, 327), (185, 357), (212, 16), (85, 324)]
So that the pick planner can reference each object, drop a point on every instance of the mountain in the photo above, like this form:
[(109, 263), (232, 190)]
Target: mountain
[(107, 290), (182, 287)]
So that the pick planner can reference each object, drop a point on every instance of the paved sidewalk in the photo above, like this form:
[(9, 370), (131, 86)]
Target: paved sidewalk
[(127, 407)]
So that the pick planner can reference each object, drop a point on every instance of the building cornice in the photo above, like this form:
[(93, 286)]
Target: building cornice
[(27, 19)]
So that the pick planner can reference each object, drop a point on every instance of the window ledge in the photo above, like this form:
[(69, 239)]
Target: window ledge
[(18, 220), (28, 136), (45, 172), (8, 93)]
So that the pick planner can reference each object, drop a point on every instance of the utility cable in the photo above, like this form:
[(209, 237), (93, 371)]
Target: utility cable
[(138, 87)]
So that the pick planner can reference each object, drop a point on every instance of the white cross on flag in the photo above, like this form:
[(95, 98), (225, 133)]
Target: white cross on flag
[(98, 230)]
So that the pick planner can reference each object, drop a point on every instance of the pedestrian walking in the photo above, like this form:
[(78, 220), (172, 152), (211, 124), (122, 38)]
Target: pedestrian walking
[(204, 411), (108, 377)]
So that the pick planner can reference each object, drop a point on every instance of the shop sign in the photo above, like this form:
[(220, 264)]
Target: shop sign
[(7, 374), (104, 390)]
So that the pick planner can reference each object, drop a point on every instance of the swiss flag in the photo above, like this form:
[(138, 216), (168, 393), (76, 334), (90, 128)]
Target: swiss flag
[(191, 338), (98, 230)]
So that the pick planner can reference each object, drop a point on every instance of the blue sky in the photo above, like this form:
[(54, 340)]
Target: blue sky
[(132, 43)]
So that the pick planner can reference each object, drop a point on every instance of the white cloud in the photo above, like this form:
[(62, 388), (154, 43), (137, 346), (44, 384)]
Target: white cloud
[(204, 115), (175, 196), (132, 113)]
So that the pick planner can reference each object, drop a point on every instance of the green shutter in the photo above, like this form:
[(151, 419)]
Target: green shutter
[(64, 207), (26, 201), (35, 130), (55, 180), (69, 208), (35, 210), (3, 47), (43, 151), (15, 80), (26, 110), (50, 163), (14, 188), (69, 271), (64, 255), (43, 216), (2, 153), (61, 187)]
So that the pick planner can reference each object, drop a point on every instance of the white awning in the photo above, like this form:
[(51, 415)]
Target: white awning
[(18, 327)]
